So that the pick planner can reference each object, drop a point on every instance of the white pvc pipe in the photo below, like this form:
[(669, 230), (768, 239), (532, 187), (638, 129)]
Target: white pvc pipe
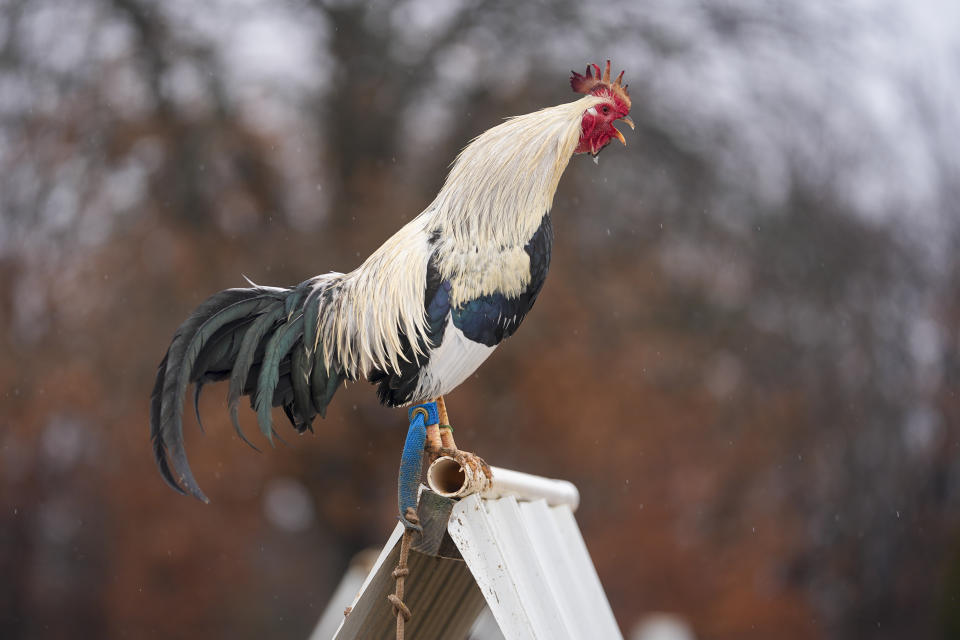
[(447, 478)]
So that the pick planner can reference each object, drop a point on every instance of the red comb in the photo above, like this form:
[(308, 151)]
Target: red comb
[(590, 84)]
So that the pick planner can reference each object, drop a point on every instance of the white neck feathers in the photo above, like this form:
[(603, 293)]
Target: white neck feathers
[(497, 192), (503, 182)]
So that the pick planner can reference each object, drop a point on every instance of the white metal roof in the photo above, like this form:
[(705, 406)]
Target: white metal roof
[(522, 555), (533, 568)]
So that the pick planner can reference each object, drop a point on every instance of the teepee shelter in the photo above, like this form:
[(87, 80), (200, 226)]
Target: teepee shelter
[(503, 559)]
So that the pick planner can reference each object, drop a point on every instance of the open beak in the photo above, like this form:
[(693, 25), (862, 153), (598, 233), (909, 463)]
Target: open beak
[(617, 131)]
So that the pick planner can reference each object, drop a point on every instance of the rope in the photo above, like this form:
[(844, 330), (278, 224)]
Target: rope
[(401, 610)]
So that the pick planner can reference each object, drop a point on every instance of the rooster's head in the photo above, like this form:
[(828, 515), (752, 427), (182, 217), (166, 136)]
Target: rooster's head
[(596, 128)]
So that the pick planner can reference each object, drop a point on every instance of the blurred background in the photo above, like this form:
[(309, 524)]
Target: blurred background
[(746, 355)]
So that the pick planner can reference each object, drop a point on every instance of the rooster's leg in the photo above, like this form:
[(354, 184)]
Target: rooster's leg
[(448, 447), (446, 431), (434, 441)]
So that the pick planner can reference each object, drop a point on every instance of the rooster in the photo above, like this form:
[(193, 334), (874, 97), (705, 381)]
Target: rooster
[(419, 315)]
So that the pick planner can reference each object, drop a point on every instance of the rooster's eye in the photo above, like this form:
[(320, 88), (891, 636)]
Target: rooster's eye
[(606, 109)]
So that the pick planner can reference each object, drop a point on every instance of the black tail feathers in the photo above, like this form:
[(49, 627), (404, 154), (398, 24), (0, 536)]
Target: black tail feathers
[(255, 338)]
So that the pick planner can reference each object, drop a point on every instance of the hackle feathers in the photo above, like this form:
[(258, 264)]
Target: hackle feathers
[(497, 191)]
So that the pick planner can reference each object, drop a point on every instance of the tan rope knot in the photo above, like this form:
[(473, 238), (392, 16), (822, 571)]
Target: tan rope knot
[(401, 572), (399, 607)]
